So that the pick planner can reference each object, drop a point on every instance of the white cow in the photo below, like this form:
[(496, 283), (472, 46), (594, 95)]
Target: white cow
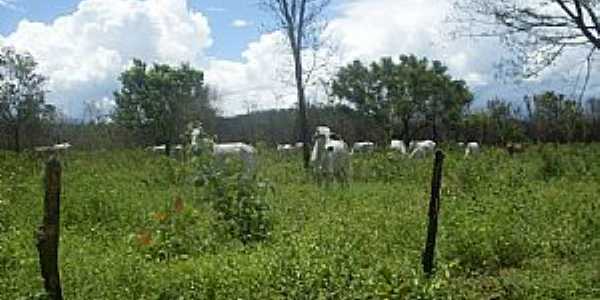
[(243, 151), (284, 148), (398, 145), (363, 147), (472, 148), (330, 156), (159, 148), (420, 149), (62, 147)]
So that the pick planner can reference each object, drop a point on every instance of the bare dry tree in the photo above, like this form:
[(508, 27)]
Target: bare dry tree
[(301, 22), (537, 31)]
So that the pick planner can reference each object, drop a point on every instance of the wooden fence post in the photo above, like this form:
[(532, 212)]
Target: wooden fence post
[(434, 208), (48, 233)]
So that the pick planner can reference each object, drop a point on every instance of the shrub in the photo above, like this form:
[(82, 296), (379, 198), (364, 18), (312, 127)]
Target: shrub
[(175, 233), (239, 199), (241, 203), (552, 164)]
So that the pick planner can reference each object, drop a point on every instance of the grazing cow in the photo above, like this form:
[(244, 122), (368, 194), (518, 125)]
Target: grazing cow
[(420, 149), (54, 148), (285, 148), (472, 148), (330, 156), (62, 147), (363, 147), (513, 148), (243, 151), (398, 145), (43, 149), (159, 148)]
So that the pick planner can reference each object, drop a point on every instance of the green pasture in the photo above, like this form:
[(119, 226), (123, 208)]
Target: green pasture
[(137, 226)]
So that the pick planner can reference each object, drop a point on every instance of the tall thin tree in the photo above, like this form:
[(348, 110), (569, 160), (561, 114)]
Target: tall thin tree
[(300, 20)]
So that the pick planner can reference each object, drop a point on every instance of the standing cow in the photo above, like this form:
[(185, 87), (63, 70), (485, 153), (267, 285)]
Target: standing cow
[(420, 149), (363, 147), (398, 145), (472, 148), (330, 156)]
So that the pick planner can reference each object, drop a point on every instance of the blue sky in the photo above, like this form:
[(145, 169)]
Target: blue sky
[(229, 41), (82, 46)]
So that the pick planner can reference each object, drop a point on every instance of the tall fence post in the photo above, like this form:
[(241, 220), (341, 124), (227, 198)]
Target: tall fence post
[(434, 208), (48, 233)]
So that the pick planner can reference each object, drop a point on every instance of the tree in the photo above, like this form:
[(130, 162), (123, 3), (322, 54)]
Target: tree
[(539, 30), (504, 125), (22, 94), (161, 100), (403, 94), (299, 19), (555, 117), (447, 101)]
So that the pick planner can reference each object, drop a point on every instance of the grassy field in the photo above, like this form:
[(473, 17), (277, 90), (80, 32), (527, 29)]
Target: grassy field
[(135, 227)]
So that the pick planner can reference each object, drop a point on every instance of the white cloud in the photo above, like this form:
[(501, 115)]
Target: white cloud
[(256, 81), (239, 23), (10, 4), (84, 52), (370, 29)]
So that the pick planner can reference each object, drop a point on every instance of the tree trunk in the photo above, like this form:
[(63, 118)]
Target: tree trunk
[(406, 134), (303, 122), (389, 133), (435, 129), (18, 137)]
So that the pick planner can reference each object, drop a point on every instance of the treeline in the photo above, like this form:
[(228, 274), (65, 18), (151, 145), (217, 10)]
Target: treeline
[(406, 98), (550, 117), (546, 117)]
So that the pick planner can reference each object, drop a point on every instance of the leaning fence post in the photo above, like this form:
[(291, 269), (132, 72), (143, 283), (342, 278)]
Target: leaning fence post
[(434, 208), (49, 232)]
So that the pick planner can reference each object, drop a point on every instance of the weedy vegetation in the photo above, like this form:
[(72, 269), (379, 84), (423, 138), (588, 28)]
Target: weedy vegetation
[(142, 226)]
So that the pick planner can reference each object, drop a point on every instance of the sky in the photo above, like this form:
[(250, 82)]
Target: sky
[(83, 46)]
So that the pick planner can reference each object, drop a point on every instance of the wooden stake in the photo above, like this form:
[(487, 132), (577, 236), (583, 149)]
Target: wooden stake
[(48, 233), (434, 208)]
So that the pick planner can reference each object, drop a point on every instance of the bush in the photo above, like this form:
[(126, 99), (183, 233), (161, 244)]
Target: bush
[(176, 233), (552, 164), (238, 198), (241, 203)]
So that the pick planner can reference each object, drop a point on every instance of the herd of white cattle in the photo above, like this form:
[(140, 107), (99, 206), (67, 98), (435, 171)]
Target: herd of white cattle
[(330, 154)]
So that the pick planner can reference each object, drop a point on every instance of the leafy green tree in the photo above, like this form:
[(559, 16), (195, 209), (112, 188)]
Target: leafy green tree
[(446, 99), (503, 122), (160, 100), (405, 93), (555, 117), (22, 94)]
